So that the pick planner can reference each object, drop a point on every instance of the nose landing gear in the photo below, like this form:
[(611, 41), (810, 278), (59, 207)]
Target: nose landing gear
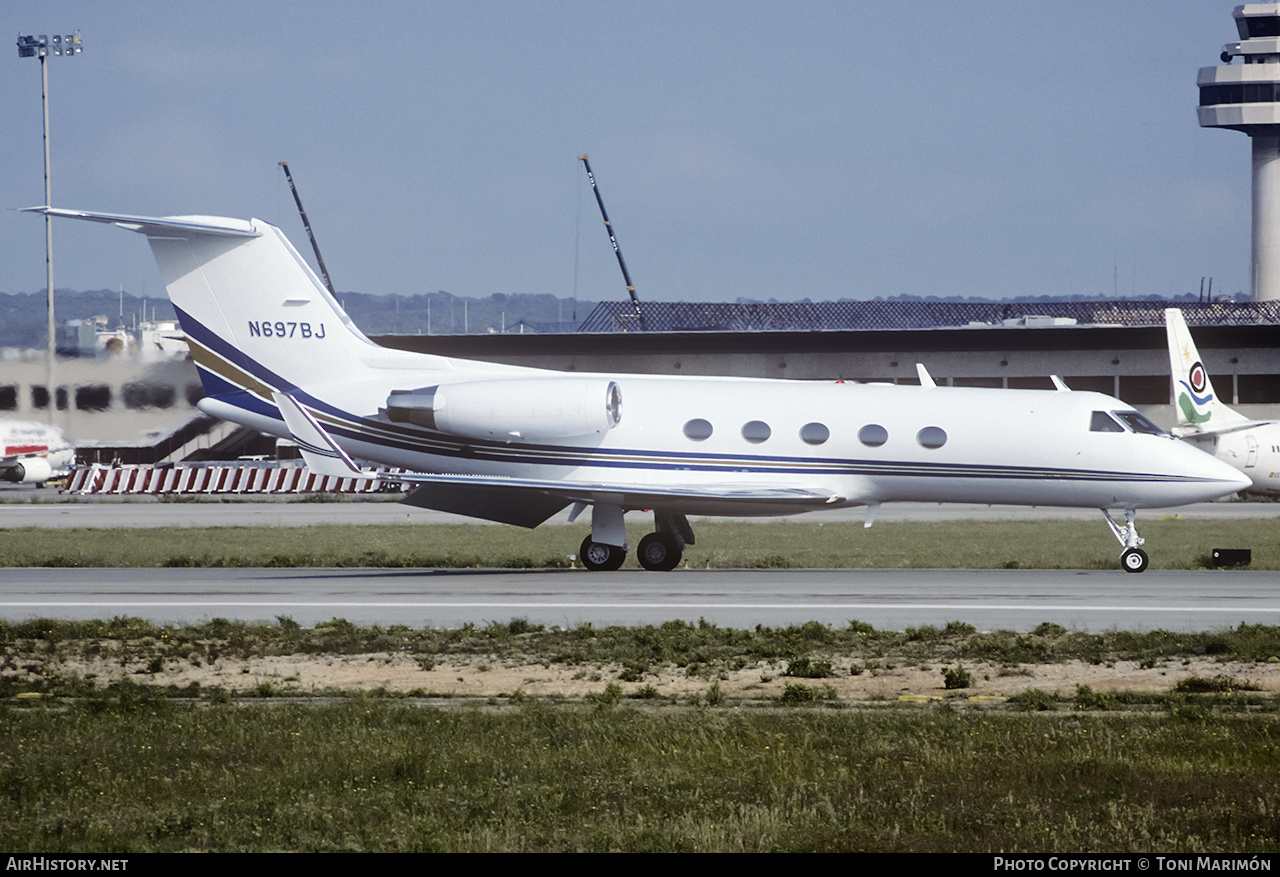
[(1133, 558)]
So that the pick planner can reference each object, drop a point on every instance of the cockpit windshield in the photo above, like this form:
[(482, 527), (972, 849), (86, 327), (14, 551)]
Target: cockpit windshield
[(1110, 421), (1104, 422), (1138, 423)]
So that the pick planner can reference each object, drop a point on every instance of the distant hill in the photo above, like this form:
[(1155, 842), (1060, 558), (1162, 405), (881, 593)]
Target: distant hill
[(23, 318), (22, 314)]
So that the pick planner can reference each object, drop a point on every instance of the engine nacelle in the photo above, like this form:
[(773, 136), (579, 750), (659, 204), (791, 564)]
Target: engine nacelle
[(29, 470), (522, 409)]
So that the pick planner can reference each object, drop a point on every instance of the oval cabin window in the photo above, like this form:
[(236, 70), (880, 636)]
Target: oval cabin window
[(814, 433), (931, 437), (697, 430), (873, 435)]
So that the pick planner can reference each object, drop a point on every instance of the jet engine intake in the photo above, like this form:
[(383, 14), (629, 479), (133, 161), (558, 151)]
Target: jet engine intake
[(536, 409), (28, 471)]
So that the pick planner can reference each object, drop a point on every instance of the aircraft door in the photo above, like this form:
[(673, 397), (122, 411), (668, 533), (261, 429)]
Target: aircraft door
[(1252, 459)]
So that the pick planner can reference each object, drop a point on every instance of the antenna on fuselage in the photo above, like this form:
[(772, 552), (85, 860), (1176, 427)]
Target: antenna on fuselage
[(324, 272), (626, 275)]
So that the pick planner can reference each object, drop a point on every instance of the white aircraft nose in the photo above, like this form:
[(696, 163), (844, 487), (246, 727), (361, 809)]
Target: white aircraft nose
[(1221, 478)]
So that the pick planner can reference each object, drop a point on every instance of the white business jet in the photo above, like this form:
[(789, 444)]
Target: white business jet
[(1252, 446), (32, 453), (504, 443)]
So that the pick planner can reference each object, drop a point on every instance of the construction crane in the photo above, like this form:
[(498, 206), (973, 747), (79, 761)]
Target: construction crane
[(626, 276), (307, 225)]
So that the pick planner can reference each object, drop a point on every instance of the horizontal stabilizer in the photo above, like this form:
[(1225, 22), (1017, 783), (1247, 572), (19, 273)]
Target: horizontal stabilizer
[(153, 225), (320, 452)]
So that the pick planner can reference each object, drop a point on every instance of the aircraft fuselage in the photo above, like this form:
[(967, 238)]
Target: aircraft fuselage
[(867, 443)]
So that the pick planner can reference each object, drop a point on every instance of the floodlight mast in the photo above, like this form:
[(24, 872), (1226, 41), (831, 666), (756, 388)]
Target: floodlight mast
[(626, 275), (41, 47)]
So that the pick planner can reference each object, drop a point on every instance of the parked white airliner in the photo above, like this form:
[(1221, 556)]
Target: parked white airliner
[(32, 453), (504, 443), (1252, 446)]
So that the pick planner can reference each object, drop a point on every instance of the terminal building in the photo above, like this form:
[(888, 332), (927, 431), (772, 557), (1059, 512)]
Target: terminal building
[(119, 407)]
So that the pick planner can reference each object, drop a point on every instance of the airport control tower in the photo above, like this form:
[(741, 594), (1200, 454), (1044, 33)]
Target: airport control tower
[(1246, 97)]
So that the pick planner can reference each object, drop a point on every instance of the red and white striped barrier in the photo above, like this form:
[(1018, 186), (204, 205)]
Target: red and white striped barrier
[(228, 478)]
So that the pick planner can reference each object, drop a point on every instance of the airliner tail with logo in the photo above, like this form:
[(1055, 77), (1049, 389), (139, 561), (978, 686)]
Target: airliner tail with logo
[(1202, 418)]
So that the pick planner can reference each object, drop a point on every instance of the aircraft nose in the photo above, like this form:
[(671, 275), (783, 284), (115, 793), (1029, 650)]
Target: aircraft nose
[(1229, 479), (1241, 481)]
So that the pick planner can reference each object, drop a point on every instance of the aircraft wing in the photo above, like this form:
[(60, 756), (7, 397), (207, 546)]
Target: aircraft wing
[(529, 502), (1223, 429)]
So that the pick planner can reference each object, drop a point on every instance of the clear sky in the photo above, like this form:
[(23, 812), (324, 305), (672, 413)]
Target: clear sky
[(768, 150)]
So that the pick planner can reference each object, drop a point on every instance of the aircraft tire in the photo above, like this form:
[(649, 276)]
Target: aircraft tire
[(658, 552), (1134, 560), (598, 557)]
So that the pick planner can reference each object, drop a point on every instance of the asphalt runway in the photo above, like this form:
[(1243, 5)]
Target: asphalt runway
[(888, 599), (1092, 600)]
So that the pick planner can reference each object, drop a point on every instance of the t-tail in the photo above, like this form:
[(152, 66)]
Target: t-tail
[(1198, 408), (256, 317)]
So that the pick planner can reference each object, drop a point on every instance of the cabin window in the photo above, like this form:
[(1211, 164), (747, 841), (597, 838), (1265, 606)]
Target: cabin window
[(932, 437), (1104, 422), (697, 430), (814, 433), (1138, 423), (873, 435), (756, 431)]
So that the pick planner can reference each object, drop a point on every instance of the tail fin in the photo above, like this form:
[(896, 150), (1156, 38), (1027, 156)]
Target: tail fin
[(1198, 408), (255, 315)]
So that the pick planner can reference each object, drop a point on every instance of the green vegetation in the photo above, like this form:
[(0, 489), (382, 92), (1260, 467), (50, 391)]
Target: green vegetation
[(129, 765), (143, 774), (1173, 543), (43, 646)]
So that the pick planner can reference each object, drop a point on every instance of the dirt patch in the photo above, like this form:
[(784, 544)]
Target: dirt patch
[(486, 677)]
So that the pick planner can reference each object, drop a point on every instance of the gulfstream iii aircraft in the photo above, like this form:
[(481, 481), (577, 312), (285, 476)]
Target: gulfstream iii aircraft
[(1252, 446), (276, 352)]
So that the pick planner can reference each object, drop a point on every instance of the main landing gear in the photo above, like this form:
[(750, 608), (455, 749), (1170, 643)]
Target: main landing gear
[(1133, 558), (598, 557), (660, 551)]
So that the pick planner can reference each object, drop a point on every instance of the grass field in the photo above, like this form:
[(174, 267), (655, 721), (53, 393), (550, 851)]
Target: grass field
[(143, 774), (1173, 543), (120, 763), (130, 766)]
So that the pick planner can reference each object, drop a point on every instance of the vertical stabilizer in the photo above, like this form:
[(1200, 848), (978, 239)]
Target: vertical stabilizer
[(256, 317), (1197, 405)]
